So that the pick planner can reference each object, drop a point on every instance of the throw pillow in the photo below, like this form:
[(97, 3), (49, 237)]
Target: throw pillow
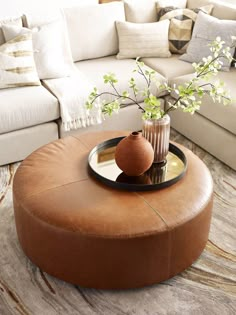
[(181, 25), (14, 21), (17, 67), (206, 29), (52, 58), (143, 39)]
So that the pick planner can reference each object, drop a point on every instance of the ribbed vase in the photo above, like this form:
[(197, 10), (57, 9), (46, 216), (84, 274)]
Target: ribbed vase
[(157, 132)]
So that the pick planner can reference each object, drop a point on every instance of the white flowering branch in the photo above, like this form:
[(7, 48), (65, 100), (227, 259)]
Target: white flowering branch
[(189, 95)]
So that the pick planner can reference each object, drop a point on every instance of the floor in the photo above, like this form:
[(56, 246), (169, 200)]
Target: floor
[(208, 287)]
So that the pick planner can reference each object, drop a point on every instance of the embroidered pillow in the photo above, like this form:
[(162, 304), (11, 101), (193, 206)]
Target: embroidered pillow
[(181, 25), (17, 67)]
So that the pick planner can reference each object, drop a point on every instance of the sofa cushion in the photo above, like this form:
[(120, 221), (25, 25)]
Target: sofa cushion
[(96, 68), (206, 29), (224, 11), (171, 3), (140, 11), (143, 39), (169, 67), (13, 21), (92, 30), (224, 116), (27, 106)]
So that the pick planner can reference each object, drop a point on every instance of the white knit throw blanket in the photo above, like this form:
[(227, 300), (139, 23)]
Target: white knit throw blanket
[(72, 93)]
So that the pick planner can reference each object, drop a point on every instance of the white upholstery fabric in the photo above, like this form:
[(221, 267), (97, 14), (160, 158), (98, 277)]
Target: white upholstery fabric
[(143, 39), (169, 67), (172, 3), (92, 30), (17, 145), (224, 116), (140, 11), (221, 10), (96, 68), (26, 106), (13, 21), (208, 135)]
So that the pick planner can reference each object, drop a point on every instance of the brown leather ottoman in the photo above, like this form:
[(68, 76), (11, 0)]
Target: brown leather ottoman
[(86, 233)]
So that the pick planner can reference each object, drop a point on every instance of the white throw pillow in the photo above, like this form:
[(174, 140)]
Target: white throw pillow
[(92, 30), (13, 21), (52, 58), (17, 66), (143, 39), (206, 29), (140, 11)]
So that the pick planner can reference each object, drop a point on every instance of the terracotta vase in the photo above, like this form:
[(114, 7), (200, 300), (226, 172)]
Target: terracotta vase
[(157, 132), (134, 154)]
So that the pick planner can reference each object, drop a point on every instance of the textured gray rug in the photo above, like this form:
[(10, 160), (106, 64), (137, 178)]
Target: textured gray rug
[(207, 287)]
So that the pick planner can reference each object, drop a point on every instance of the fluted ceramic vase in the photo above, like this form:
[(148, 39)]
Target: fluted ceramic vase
[(157, 132)]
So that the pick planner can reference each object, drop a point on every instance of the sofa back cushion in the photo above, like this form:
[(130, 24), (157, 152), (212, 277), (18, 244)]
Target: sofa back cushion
[(171, 3), (221, 10), (140, 11), (13, 21), (92, 30)]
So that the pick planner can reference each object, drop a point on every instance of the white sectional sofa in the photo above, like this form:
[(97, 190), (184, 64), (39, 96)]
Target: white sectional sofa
[(30, 116)]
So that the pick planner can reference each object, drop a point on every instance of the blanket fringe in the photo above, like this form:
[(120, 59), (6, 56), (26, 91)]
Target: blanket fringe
[(81, 122)]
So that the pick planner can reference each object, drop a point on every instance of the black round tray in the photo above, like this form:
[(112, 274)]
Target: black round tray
[(102, 166)]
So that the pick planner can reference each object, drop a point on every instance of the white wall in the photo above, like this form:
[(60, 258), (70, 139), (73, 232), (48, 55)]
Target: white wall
[(17, 7)]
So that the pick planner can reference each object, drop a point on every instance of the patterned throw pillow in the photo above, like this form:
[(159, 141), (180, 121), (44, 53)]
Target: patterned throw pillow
[(17, 67), (181, 25)]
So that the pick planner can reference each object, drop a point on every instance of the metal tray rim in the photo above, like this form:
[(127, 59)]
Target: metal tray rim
[(136, 187)]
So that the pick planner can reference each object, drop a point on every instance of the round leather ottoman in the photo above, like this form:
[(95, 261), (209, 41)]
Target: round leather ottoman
[(83, 232)]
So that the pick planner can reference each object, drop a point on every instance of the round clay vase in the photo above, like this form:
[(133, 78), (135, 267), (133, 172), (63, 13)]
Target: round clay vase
[(134, 154)]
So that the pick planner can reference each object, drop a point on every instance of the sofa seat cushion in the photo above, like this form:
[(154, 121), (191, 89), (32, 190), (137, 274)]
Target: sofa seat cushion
[(169, 67), (123, 69), (224, 116), (25, 107)]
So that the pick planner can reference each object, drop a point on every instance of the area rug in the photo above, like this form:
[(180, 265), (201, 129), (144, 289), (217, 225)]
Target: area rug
[(208, 287)]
